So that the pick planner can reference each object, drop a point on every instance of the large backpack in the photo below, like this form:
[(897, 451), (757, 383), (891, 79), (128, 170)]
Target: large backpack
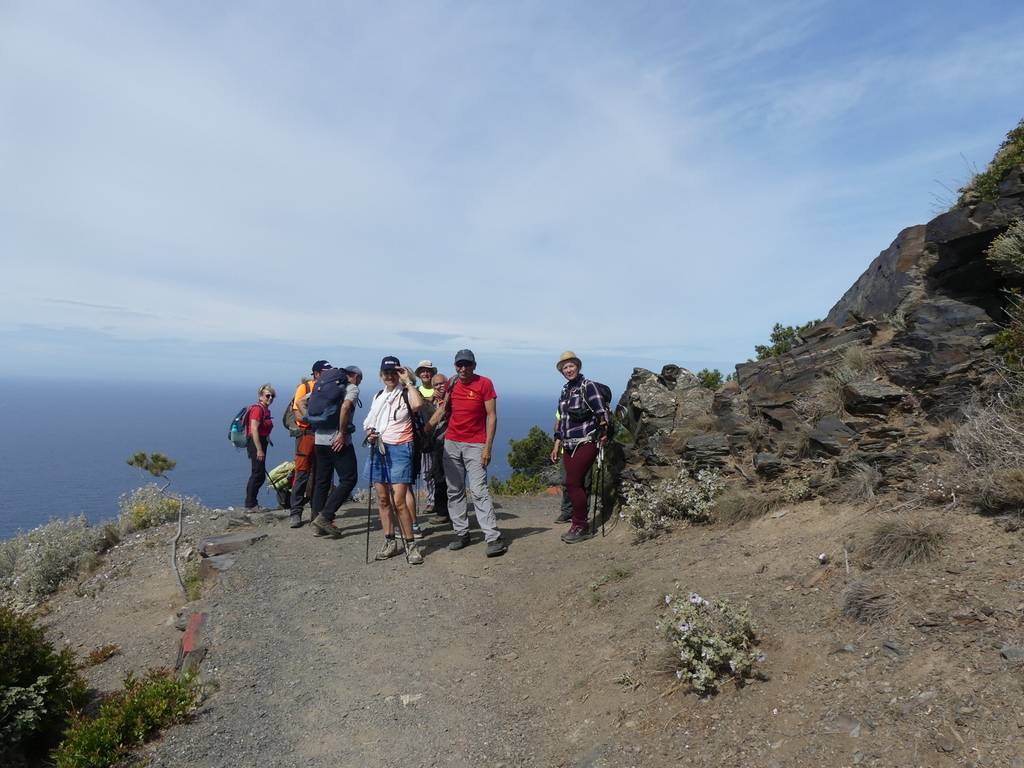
[(324, 401), (606, 395), (238, 432), (288, 418)]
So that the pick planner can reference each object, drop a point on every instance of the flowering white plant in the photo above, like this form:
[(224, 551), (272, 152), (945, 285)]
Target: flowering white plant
[(649, 510), (714, 642)]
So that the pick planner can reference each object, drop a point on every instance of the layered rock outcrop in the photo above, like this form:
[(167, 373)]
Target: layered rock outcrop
[(907, 346)]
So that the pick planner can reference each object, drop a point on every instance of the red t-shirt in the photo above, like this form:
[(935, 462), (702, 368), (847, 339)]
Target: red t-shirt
[(261, 414), (468, 423)]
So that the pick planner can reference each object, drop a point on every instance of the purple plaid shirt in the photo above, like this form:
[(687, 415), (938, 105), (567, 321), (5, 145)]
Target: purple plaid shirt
[(581, 411)]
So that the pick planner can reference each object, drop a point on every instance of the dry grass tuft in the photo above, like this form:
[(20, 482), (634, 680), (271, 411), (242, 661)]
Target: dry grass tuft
[(869, 604), (861, 482), (1000, 490), (905, 540), (101, 654), (735, 506)]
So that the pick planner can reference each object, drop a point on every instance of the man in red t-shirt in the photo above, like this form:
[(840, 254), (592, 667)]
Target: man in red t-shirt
[(472, 422)]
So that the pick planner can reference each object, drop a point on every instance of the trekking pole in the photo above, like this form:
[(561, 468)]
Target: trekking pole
[(369, 511), (599, 476)]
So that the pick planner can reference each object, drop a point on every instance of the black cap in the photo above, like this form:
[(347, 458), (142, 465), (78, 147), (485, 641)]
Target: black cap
[(390, 363), (321, 365), (465, 356)]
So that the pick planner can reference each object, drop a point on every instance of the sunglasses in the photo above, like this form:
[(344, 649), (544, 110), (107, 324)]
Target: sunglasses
[(267, 394), (465, 365)]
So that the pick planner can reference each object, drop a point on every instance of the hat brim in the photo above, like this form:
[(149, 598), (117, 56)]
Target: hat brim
[(432, 369), (560, 363)]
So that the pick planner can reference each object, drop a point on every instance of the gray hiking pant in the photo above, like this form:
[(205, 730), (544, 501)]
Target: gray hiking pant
[(462, 467)]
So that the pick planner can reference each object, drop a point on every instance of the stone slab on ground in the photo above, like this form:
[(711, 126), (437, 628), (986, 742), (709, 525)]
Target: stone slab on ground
[(230, 542), (210, 567)]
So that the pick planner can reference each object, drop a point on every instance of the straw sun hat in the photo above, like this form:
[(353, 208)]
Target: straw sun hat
[(568, 356)]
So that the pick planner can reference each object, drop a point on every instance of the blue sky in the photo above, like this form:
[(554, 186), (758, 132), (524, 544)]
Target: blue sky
[(232, 190)]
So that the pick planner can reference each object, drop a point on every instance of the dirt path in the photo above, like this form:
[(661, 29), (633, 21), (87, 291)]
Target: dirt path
[(549, 656), (324, 660)]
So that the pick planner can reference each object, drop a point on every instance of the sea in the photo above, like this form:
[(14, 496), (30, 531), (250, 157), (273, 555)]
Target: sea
[(64, 445)]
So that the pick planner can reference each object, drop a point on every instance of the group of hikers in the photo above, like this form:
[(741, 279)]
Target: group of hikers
[(420, 424)]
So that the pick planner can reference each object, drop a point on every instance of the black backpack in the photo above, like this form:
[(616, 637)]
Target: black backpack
[(583, 414), (325, 400)]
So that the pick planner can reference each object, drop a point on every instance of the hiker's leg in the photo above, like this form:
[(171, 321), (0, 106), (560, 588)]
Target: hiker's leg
[(427, 473), (404, 514), (384, 508), (455, 477), (577, 463), (345, 465), (257, 474), (304, 450), (322, 480), (476, 479), (440, 486)]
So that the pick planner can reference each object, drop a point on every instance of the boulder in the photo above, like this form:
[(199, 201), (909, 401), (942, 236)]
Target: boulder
[(832, 436), (872, 397), (768, 464), (229, 542), (707, 450)]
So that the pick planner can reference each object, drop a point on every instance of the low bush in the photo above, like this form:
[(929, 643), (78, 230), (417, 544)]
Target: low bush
[(782, 339), (709, 379), (861, 482), (1009, 155), (39, 686), (650, 510), (1009, 342), (1006, 252), (150, 505), (518, 484), (532, 454), (34, 564), (713, 642), (735, 506), (795, 490), (127, 720), (904, 540)]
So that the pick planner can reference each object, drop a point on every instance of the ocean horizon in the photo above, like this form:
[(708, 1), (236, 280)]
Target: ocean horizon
[(66, 444)]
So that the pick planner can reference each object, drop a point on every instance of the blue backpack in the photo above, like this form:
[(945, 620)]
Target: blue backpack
[(238, 432)]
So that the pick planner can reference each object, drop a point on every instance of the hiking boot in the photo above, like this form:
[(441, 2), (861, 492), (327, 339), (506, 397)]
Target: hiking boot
[(413, 556), (577, 534), (440, 520), (460, 542), (389, 548), (296, 521), (496, 548), (564, 517), (326, 527), (417, 532)]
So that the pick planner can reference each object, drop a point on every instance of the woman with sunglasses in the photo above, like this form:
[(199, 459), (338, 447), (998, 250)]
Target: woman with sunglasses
[(260, 423), (389, 432)]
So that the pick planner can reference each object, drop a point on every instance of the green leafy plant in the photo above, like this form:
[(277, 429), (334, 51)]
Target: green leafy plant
[(127, 720), (532, 454), (39, 686), (518, 484), (1009, 155), (650, 510), (709, 379), (713, 642), (782, 339), (150, 505)]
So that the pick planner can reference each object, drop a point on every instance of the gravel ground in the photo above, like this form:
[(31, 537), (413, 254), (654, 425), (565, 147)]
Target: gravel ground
[(324, 660)]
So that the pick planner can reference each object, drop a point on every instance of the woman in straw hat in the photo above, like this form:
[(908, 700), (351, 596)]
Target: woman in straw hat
[(581, 431)]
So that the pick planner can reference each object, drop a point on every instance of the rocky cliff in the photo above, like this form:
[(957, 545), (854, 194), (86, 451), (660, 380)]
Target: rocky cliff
[(867, 390)]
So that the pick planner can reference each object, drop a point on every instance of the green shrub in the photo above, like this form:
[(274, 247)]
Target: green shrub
[(710, 379), (532, 454), (149, 505), (783, 338), (1009, 342), (1009, 155), (39, 686), (127, 720), (1006, 253), (518, 484), (650, 510), (33, 564), (713, 642)]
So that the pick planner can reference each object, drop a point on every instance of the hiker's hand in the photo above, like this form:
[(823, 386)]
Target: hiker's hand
[(485, 456), (404, 375), (261, 455), (554, 455), (371, 437), (339, 442)]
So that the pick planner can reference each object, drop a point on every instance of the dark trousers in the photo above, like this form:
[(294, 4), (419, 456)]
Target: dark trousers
[(577, 464), (566, 505), (305, 459), (440, 484), (328, 462), (257, 475)]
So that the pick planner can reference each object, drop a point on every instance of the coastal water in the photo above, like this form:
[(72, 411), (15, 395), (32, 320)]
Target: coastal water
[(64, 444)]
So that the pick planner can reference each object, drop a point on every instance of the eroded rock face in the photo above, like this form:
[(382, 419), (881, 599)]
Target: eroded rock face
[(910, 342)]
